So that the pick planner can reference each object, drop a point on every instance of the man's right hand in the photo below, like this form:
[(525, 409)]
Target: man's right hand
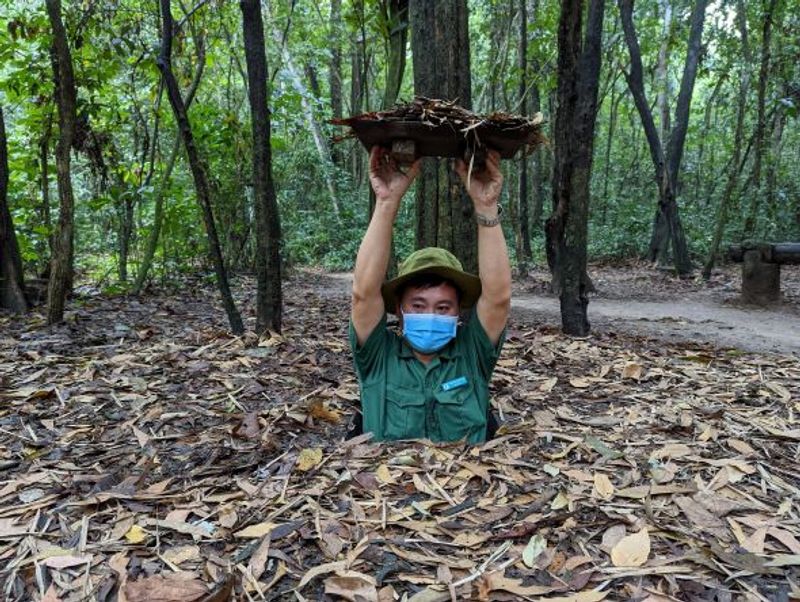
[(386, 178)]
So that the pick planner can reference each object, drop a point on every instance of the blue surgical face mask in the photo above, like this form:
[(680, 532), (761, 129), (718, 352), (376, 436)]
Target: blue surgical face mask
[(428, 333)]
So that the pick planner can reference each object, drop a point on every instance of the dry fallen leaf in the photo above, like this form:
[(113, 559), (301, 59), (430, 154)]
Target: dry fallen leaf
[(248, 428), (632, 370), (632, 550), (309, 458), (136, 534), (258, 560), (51, 595), (180, 554), (355, 588), (165, 588), (383, 474), (603, 486), (256, 531), (536, 545), (580, 383), (587, 596), (319, 410)]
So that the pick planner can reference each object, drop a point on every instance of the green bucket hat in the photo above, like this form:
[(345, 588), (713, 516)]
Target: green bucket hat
[(432, 260)]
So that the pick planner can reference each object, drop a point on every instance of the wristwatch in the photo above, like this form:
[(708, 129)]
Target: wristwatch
[(489, 222)]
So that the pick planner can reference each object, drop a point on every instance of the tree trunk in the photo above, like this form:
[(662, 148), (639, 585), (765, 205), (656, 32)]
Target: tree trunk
[(125, 234), (163, 188), (440, 47), (44, 163), (320, 141), (60, 280), (701, 174), (523, 229), (197, 166), (761, 122), (158, 219), (776, 149), (578, 84), (612, 127), (539, 168), (269, 299), (12, 286), (397, 26), (357, 85), (335, 71), (733, 171), (667, 227), (662, 69)]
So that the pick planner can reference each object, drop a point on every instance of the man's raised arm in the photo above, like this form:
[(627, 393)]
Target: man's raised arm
[(389, 184), (494, 268)]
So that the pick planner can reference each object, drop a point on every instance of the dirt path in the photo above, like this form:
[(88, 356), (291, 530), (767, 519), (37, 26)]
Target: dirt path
[(642, 302), (695, 321)]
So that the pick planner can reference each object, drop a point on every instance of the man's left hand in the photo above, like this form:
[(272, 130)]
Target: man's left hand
[(484, 185)]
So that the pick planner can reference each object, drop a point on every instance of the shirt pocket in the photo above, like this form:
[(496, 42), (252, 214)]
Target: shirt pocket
[(458, 413), (405, 413)]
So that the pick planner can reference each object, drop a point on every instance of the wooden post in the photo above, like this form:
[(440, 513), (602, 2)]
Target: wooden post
[(761, 281)]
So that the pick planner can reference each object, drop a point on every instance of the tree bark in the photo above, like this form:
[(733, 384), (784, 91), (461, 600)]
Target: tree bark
[(761, 122), (44, 166), (667, 227), (662, 69), (539, 167), (578, 84), (440, 47), (61, 268), (776, 149), (158, 213), (733, 171), (335, 73), (197, 166), (523, 223), (269, 298), (335, 70), (396, 18), (358, 83), (12, 285)]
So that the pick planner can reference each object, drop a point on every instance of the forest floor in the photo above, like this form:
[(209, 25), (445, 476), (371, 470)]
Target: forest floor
[(146, 454)]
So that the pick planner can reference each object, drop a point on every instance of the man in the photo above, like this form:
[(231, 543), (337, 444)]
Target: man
[(433, 381)]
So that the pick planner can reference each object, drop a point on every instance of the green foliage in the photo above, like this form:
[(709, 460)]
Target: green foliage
[(115, 46)]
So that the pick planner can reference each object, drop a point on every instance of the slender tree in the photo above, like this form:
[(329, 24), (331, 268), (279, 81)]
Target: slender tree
[(738, 139), (197, 166), (61, 268), (440, 47), (523, 237), (667, 225), (335, 69), (395, 20), (320, 141), (12, 290), (44, 166), (768, 10), (578, 82), (163, 187), (268, 226), (538, 175)]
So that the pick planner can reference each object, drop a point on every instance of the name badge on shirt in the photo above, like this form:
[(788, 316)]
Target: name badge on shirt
[(454, 384)]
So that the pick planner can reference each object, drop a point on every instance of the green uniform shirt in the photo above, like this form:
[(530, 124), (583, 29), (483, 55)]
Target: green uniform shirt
[(445, 400)]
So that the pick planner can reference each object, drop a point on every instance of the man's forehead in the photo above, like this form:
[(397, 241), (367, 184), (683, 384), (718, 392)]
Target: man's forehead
[(425, 292)]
